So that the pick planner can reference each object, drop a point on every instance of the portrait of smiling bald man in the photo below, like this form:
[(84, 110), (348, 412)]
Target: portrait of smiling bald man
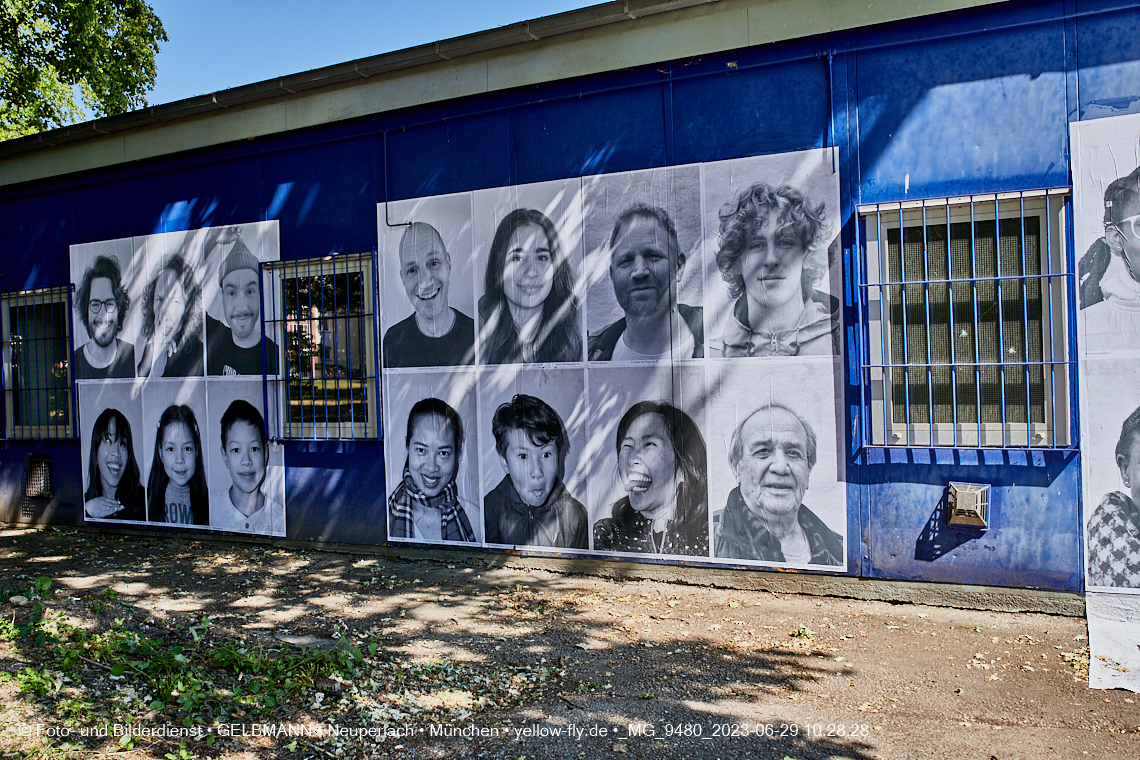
[(435, 335), (772, 455)]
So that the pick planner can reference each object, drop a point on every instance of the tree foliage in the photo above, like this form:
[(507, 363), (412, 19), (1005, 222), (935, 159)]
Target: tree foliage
[(59, 57)]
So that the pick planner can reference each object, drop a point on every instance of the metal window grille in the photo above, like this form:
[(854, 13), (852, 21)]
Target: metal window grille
[(324, 319), (965, 312), (36, 377)]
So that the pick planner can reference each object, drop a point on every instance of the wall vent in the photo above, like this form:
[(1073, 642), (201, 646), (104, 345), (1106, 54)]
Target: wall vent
[(37, 477), (969, 504)]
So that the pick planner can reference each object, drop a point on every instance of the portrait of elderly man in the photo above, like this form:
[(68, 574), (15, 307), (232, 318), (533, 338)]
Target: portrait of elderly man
[(772, 455), (646, 266), (234, 347), (102, 305), (772, 256), (435, 335)]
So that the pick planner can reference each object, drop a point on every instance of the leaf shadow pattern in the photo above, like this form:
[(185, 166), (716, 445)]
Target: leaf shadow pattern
[(547, 650)]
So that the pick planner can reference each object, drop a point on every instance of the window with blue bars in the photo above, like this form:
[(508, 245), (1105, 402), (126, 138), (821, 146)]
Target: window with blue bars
[(36, 377), (965, 310), (324, 319)]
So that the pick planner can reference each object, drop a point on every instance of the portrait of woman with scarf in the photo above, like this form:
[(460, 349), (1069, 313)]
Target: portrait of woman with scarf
[(426, 506)]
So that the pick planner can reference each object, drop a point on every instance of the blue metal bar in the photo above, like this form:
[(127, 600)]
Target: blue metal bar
[(71, 367), (264, 374), (1025, 313), (953, 327), (974, 296), (1071, 349), (378, 417), (1001, 319), (1049, 290), (864, 373), (973, 364), (5, 305), (953, 280), (336, 347), (313, 339), (905, 321), (926, 309), (884, 345)]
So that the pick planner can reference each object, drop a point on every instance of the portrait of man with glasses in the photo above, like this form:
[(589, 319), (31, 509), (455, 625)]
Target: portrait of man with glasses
[(102, 303)]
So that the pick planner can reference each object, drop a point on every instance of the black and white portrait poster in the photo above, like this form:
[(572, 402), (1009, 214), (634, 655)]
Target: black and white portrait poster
[(1106, 188), (641, 364), (160, 321), (655, 211), (432, 457), (534, 421), (649, 460), (776, 451)]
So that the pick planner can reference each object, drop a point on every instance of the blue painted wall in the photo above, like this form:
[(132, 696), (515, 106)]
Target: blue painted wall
[(960, 103)]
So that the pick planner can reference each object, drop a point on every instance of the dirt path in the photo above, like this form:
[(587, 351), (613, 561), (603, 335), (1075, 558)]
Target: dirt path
[(488, 661)]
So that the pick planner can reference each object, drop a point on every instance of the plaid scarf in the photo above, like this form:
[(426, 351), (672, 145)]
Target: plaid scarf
[(454, 525)]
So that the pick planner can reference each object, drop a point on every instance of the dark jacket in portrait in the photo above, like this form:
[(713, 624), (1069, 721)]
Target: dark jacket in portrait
[(1090, 270), (560, 522), (122, 366), (739, 534), (406, 346), (224, 357), (187, 360), (600, 347), (627, 530)]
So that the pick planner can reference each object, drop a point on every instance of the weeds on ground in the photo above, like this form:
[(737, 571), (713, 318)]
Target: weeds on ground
[(193, 676)]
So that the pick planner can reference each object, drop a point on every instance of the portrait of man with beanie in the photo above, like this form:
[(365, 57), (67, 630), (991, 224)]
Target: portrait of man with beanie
[(234, 347)]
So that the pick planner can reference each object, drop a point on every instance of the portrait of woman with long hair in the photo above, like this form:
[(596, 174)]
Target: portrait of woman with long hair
[(114, 485), (529, 312)]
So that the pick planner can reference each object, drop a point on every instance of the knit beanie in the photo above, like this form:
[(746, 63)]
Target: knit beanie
[(239, 257)]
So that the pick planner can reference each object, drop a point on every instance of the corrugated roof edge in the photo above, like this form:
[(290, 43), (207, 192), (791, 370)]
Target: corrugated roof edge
[(363, 68)]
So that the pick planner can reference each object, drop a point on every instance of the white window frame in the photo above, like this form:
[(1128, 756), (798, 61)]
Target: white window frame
[(882, 429)]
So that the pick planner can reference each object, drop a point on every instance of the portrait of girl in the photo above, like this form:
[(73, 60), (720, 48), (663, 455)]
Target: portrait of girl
[(177, 487), (114, 485), (528, 312), (426, 504), (662, 467)]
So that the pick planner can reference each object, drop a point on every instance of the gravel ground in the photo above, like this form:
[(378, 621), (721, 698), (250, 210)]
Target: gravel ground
[(489, 661)]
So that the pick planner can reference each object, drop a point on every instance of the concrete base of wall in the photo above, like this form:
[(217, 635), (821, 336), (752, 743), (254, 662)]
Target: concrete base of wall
[(958, 596)]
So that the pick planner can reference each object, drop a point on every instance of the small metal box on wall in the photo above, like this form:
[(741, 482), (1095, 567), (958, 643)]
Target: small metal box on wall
[(968, 505)]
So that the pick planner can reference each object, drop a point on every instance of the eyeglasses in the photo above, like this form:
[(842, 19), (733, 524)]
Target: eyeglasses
[(1128, 223), (110, 305)]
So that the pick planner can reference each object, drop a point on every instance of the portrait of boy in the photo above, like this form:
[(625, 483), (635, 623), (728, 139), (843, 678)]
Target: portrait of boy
[(246, 507), (531, 506)]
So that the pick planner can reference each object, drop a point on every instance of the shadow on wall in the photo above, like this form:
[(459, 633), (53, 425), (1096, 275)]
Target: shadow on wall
[(37, 506), (938, 537), (327, 493)]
